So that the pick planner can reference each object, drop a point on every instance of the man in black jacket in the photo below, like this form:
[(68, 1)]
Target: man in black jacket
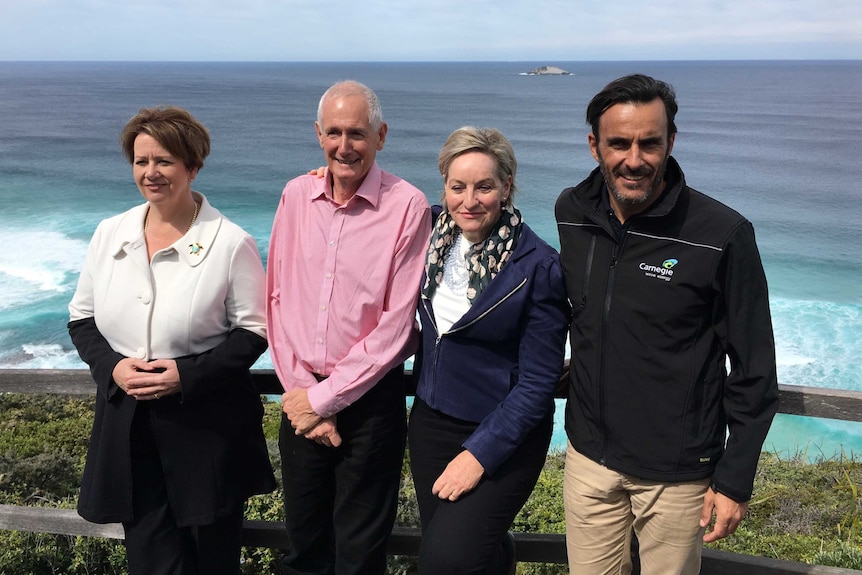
[(668, 289)]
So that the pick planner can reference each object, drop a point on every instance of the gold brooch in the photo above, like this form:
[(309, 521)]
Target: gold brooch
[(195, 249)]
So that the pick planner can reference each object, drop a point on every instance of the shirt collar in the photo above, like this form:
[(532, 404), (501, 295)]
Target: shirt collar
[(192, 248), (369, 190), (197, 243)]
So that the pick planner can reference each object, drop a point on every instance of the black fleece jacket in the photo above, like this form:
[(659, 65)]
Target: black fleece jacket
[(657, 312)]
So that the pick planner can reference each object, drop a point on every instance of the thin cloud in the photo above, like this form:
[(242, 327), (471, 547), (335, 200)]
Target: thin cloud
[(342, 30)]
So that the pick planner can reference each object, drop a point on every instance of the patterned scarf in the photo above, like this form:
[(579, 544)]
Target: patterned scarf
[(484, 259)]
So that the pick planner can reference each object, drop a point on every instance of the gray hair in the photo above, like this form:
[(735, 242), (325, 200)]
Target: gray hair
[(354, 88)]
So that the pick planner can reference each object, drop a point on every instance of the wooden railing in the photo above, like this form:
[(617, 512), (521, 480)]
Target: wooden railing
[(530, 547)]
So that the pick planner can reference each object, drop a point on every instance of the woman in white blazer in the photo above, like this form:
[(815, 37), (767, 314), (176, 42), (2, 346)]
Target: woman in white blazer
[(169, 315)]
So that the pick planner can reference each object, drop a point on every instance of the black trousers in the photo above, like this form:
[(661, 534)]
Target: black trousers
[(467, 536), (340, 503), (155, 545)]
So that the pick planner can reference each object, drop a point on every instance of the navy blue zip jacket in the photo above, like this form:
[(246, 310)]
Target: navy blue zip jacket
[(656, 315), (500, 363)]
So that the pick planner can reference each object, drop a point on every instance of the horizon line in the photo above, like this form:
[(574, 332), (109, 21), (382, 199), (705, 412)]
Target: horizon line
[(421, 61)]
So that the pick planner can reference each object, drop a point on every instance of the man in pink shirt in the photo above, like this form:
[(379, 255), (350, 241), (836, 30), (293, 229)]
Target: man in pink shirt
[(345, 262)]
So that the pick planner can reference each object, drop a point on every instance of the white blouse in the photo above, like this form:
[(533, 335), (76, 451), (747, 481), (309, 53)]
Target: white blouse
[(184, 301), (450, 301)]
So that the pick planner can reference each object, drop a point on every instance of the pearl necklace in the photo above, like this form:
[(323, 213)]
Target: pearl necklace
[(191, 223)]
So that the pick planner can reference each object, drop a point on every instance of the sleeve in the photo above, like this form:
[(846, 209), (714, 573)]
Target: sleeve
[(91, 345), (206, 373), (279, 349), (395, 332), (751, 390), (83, 305), (540, 353), (97, 353)]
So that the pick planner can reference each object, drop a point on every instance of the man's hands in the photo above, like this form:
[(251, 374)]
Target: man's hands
[(302, 417), (728, 515), (306, 421), (325, 433)]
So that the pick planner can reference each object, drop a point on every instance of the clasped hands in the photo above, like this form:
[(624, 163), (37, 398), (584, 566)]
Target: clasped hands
[(147, 380), (306, 422)]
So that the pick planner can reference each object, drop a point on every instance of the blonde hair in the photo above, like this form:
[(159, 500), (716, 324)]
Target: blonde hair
[(486, 140)]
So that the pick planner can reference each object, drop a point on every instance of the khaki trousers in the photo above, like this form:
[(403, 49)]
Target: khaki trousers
[(602, 506)]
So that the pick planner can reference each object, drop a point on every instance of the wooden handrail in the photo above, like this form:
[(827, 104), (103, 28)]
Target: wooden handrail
[(530, 547), (838, 404)]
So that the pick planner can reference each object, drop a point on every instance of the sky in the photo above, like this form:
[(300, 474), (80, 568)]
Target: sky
[(429, 30)]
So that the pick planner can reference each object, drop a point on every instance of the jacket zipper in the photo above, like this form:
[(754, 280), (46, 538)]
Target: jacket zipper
[(606, 310), (439, 336), (490, 309), (589, 268)]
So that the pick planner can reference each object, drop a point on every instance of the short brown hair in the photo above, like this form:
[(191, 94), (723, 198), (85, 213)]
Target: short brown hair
[(176, 130)]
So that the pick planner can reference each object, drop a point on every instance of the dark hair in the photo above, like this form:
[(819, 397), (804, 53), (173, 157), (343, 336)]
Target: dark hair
[(636, 88), (176, 130)]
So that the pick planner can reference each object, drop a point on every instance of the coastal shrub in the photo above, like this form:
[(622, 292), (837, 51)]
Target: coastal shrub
[(807, 512), (543, 512), (267, 507), (44, 554), (41, 477), (35, 424), (801, 508), (845, 555)]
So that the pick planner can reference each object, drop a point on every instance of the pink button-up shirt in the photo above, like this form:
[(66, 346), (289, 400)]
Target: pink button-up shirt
[(342, 285)]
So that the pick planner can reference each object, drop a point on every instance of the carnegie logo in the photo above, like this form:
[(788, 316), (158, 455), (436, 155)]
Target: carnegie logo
[(662, 272)]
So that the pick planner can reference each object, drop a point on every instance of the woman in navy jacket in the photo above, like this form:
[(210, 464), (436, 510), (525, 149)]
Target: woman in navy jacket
[(494, 318)]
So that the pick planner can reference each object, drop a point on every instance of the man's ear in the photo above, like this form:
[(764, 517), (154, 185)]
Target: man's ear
[(319, 134), (381, 136), (594, 146)]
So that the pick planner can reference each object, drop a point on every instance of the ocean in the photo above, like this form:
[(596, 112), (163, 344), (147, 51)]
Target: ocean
[(779, 141)]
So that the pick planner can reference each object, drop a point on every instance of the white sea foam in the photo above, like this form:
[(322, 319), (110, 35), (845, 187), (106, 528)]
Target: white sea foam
[(40, 356), (49, 356), (818, 343), (787, 358), (35, 265)]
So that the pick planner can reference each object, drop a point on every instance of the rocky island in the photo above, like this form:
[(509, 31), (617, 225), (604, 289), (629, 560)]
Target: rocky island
[(547, 71)]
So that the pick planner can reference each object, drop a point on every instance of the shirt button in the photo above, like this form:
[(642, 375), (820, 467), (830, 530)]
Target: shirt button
[(320, 340), (332, 243), (145, 298), (328, 275), (323, 308)]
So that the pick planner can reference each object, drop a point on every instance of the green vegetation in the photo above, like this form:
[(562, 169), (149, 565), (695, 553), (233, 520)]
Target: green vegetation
[(801, 512)]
